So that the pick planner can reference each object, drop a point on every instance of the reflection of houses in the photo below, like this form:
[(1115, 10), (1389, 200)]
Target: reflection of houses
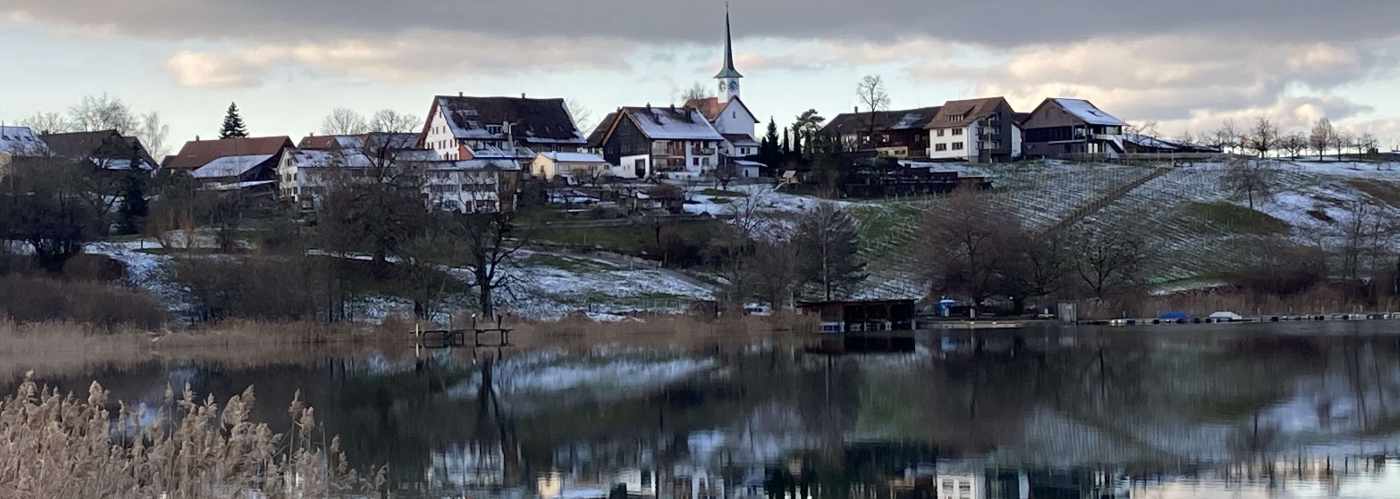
[(1063, 127), (980, 130), (241, 161), (983, 484), (464, 127), (649, 141), (860, 316), (107, 150), (899, 134)]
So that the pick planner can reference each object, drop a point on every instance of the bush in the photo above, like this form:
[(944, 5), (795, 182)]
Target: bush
[(36, 299), (273, 289)]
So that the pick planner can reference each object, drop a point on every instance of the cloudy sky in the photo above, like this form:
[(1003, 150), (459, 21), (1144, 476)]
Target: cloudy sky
[(1186, 64)]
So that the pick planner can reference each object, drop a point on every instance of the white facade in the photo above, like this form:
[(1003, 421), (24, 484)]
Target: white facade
[(573, 166), (441, 139), (953, 143), (465, 190)]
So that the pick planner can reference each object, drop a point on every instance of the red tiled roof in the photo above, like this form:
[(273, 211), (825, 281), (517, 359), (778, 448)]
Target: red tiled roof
[(200, 152)]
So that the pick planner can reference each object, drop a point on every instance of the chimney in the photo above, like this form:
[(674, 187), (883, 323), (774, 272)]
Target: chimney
[(522, 95), (648, 106), (459, 93), (196, 138), (855, 109)]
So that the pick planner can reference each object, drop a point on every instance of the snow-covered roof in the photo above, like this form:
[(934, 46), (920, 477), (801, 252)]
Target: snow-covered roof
[(745, 162), (302, 158), (21, 141), (573, 157), (1086, 111), (493, 152), (234, 186), (740, 139), (230, 166), (543, 121), (124, 164), (473, 164), (671, 123), (1148, 141)]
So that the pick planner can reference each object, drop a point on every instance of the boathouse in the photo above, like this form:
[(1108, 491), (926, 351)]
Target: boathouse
[(862, 316)]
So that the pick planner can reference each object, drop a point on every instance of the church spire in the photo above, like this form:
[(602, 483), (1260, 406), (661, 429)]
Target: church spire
[(728, 70)]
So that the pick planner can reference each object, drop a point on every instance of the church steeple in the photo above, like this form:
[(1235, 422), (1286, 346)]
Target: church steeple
[(728, 76)]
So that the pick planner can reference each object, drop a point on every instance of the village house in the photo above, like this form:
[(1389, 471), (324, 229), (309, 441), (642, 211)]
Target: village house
[(649, 141), (462, 127), (240, 162), (106, 150), (1065, 127), (308, 172), (897, 134), (977, 130), (572, 167), (20, 142)]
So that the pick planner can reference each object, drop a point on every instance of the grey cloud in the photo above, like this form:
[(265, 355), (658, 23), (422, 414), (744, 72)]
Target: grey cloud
[(998, 24)]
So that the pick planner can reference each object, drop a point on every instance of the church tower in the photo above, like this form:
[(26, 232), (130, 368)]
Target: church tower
[(728, 77)]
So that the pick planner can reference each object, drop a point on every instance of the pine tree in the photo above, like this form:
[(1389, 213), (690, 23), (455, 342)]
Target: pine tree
[(233, 124), (132, 216), (768, 149), (787, 147)]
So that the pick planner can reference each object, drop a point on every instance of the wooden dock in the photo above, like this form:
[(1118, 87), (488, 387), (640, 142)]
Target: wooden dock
[(444, 338), (1264, 319)]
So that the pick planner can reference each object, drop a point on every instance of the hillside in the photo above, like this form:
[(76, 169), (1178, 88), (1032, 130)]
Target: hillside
[(1189, 218)]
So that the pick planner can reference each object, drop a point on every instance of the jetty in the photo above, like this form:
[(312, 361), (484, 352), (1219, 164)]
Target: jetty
[(445, 338)]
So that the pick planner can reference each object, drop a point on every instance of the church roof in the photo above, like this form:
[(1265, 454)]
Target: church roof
[(728, 70)]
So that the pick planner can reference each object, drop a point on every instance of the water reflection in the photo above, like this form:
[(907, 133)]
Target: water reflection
[(1272, 411)]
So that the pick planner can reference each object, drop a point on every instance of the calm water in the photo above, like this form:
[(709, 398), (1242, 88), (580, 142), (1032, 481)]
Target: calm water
[(1307, 410)]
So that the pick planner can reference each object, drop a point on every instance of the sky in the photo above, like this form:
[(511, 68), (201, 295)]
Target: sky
[(1185, 65)]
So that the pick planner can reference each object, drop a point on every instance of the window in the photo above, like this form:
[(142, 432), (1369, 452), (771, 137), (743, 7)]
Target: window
[(957, 146), (957, 132), (493, 129), (940, 132), (940, 147)]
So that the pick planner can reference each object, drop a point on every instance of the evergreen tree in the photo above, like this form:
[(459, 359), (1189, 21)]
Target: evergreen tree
[(768, 148), (233, 124), (133, 210), (787, 147)]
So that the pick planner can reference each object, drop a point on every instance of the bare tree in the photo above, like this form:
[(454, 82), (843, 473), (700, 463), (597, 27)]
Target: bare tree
[(1108, 261), (1295, 143), (1142, 129), (1252, 179), (1340, 141), (391, 121), (44, 205), (1320, 138), (830, 258), (871, 92), (697, 91), (490, 245), (344, 121), (1227, 137), (1264, 137), (1362, 239), (152, 133), (775, 271), (583, 117), (1367, 144), (101, 113), (47, 123), (967, 245)]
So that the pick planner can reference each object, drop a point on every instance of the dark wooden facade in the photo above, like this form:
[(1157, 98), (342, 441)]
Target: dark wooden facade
[(862, 316)]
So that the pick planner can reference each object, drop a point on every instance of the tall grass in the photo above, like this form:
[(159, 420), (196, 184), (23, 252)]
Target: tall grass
[(53, 445)]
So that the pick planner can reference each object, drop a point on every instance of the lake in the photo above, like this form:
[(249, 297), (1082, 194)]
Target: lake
[(1281, 410)]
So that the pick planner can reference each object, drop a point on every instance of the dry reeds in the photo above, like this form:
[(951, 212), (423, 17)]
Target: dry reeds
[(61, 446)]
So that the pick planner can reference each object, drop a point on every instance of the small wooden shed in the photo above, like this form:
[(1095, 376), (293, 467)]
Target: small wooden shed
[(862, 316)]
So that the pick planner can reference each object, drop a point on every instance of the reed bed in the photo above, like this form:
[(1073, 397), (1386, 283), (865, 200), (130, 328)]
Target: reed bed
[(54, 445)]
